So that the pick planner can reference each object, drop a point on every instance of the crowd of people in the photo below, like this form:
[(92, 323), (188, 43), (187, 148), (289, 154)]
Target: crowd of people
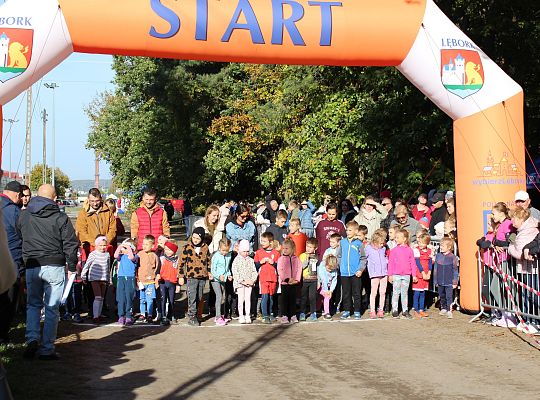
[(275, 262)]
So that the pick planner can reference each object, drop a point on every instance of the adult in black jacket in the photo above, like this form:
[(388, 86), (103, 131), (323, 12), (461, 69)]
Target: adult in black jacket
[(9, 204), (439, 213), (49, 243)]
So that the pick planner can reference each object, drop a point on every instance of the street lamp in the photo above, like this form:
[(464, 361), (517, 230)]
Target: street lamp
[(53, 86)]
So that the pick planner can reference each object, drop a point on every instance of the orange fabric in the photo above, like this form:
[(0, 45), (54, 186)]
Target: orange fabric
[(486, 145), (364, 32)]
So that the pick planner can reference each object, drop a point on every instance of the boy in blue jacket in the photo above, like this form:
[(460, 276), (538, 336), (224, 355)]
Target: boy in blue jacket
[(352, 265)]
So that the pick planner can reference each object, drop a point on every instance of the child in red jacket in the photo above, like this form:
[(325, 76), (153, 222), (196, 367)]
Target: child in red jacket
[(266, 259), (168, 280)]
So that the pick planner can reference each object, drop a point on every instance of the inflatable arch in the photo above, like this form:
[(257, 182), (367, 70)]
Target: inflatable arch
[(413, 35)]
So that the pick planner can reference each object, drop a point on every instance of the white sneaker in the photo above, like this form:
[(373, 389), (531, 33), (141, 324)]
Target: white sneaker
[(520, 327), (247, 320), (449, 315), (443, 312), (505, 322), (241, 319)]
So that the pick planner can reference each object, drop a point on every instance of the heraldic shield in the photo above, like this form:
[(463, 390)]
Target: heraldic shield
[(15, 51), (462, 72)]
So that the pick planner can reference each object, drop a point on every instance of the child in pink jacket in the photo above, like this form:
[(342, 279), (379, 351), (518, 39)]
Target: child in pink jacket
[(401, 265), (289, 270)]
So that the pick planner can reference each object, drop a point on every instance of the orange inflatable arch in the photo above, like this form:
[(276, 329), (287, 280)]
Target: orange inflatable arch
[(413, 35)]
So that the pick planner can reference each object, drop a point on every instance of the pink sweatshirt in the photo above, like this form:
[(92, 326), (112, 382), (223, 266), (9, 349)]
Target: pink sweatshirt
[(289, 267), (401, 261)]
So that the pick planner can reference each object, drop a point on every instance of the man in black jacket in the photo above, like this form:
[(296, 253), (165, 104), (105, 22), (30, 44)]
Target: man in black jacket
[(9, 204), (49, 242)]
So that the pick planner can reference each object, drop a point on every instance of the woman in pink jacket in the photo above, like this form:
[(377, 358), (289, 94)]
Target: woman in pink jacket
[(527, 229)]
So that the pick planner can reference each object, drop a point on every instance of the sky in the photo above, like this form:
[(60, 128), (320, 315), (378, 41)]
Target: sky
[(81, 77)]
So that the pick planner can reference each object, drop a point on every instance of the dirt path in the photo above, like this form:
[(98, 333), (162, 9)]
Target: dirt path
[(390, 359)]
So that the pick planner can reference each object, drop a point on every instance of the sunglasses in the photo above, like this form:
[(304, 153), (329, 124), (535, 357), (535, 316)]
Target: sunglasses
[(386, 204), (243, 216)]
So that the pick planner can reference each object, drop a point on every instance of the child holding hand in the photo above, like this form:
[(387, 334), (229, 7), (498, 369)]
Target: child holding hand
[(244, 277)]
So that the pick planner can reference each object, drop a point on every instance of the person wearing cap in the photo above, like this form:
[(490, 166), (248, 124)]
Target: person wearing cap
[(386, 202), (49, 243), (9, 204), (523, 200), (168, 280), (371, 215), (439, 212), (405, 221)]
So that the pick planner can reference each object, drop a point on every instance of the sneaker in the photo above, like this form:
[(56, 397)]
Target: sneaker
[(284, 320), (443, 312), (395, 314), (149, 320), (164, 322), (221, 321), (241, 319), (302, 317), (193, 321), (247, 320), (423, 314), (372, 315), (122, 321), (77, 319), (449, 315), (235, 316), (49, 357), (380, 314), (406, 315), (129, 321), (260, 316), (415, 314), (387, 314), (266, 320), (272, 318), (327, 316), (313, 317), (530, 329), (294, 320), (95, 321), (66, 317), (31, 350), (357, 315), (158, 317), (345, 315)]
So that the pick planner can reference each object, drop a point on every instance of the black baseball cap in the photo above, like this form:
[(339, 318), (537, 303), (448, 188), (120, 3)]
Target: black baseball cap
[(13, 186)]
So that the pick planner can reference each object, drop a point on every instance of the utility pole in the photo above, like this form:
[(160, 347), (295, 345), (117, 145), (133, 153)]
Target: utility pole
[(44, 172), (10, 121), (28, 142), (53, 86)]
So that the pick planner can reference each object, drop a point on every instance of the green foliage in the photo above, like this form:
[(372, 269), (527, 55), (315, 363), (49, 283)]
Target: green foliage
[(61, 180), (214, 130)]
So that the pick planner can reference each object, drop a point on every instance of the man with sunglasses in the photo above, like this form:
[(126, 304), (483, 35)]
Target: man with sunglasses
[(26, 195), (386, 202), (523, 200)]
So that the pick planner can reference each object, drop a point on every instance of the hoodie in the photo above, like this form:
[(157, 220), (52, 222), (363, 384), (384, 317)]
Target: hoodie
[(10, 215), (48, 235)]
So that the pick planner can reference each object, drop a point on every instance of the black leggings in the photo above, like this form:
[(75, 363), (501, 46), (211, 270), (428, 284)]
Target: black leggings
[(351, 284), (167, 290), (287, 300)]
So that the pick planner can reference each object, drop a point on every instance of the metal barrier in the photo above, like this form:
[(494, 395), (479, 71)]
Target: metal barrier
[(502, 287)]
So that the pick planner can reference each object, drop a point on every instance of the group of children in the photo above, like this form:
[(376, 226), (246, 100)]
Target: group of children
[(331, 278)]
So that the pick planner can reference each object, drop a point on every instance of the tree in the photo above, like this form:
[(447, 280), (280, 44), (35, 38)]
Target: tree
[(214, 130), (61, 180)]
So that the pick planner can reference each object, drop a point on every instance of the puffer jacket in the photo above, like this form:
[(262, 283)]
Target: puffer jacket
[(525, 235), (149, 221)]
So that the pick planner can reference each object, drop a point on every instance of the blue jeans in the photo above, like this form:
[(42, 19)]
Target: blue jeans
[(125, 293), (44, 285), (419, 300), (266, 305), (147, 296)]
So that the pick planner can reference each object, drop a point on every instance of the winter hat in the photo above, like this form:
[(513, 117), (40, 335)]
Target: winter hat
[(199, 231), (100, 239), (171, 246), (243, 245), (13, 186)]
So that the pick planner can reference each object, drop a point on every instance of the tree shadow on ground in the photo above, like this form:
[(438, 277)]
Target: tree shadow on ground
[(220, 370), (84, 365)]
